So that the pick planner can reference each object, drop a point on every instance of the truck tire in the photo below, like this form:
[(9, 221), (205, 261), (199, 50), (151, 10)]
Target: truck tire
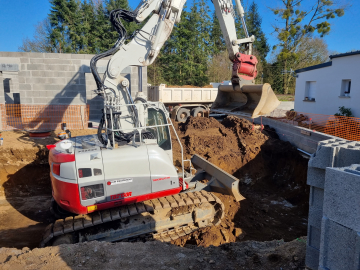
[(198, 112), (182, 115)]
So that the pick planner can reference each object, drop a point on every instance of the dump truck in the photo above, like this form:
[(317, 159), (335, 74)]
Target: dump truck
[(183, 102)]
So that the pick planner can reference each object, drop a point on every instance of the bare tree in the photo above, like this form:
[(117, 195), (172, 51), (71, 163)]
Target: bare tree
[(219, 67), (41, 40)]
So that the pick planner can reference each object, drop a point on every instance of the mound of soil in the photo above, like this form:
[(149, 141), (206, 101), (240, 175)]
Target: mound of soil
[(157, 255), (272, 178)]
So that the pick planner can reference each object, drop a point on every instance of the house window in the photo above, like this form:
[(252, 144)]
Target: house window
[(310, 90), (345, 88)]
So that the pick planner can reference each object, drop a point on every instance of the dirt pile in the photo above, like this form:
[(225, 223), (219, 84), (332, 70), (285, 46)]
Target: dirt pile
[(157, 255), (229, 144), (272, 175), (25, 188)]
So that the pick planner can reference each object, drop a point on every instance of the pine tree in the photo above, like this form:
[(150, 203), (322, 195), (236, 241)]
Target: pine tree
[(253, 21), (57, 22), (87, 39), (216, 36)]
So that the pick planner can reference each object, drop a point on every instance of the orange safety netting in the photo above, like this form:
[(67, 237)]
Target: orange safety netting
[(43, 117), (340, 126)]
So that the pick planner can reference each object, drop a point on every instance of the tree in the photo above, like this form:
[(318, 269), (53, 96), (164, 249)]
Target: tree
[(218, 42), (219, 67), (184, 57), (297, 23), (41, 41), (253, 21)]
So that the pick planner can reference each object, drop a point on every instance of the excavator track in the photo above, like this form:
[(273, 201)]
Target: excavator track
[(162, 219)]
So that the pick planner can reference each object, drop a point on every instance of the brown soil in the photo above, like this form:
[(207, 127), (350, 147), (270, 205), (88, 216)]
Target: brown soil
[(25, 188), (272, 175), (271, 172), (157, 255)]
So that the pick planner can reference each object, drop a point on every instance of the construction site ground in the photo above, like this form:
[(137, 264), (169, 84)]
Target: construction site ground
[(272, 179)]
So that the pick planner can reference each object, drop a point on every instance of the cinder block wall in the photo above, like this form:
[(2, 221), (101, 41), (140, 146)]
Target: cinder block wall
[(56, 79), (330, 154)]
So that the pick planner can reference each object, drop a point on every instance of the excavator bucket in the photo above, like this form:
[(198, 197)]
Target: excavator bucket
[(248, 100), (220, 181)]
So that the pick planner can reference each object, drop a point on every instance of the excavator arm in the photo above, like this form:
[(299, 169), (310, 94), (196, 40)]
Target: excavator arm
[(143, 46)]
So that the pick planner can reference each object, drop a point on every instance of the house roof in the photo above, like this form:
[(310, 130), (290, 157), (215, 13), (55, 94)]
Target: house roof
[(327, 64), (344, 54)]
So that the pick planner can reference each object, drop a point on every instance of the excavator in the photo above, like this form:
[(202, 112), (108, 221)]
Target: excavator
[(120, 184)]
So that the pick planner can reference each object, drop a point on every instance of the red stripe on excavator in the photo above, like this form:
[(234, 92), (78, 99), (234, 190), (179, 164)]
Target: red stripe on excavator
[(69, 193)]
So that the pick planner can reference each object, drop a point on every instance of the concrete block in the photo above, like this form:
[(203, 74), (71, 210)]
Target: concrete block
[(77, 56), (25, 86), (35, 66), (339, 248), (316, 198), (33, 94), (316, 177), (24, 60), (342, 196), (313, 237), (24, 73), (36, 60), (348, 154), (335, 153), (25, 100), (312, 257)]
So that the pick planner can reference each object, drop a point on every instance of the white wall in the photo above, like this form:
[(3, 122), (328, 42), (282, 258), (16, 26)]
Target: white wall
[(328, 87)]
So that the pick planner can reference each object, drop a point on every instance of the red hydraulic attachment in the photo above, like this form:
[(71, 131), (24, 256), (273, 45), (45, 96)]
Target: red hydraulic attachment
[(245, 64)]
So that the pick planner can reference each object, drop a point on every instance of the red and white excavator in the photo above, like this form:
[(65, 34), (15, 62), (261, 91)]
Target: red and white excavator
[(121, 183)]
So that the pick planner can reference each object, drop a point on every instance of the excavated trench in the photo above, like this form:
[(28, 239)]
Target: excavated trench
[(272, 175)]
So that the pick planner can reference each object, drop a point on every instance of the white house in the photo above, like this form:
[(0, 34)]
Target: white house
[(323, 88)]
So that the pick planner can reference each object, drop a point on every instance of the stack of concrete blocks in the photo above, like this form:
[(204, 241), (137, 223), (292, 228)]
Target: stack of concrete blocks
[(331, 153), (340, 228)]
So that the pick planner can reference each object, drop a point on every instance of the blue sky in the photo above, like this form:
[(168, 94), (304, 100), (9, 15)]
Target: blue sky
[(18, 17)]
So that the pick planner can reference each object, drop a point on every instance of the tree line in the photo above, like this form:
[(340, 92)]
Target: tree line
[(195, 54)]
